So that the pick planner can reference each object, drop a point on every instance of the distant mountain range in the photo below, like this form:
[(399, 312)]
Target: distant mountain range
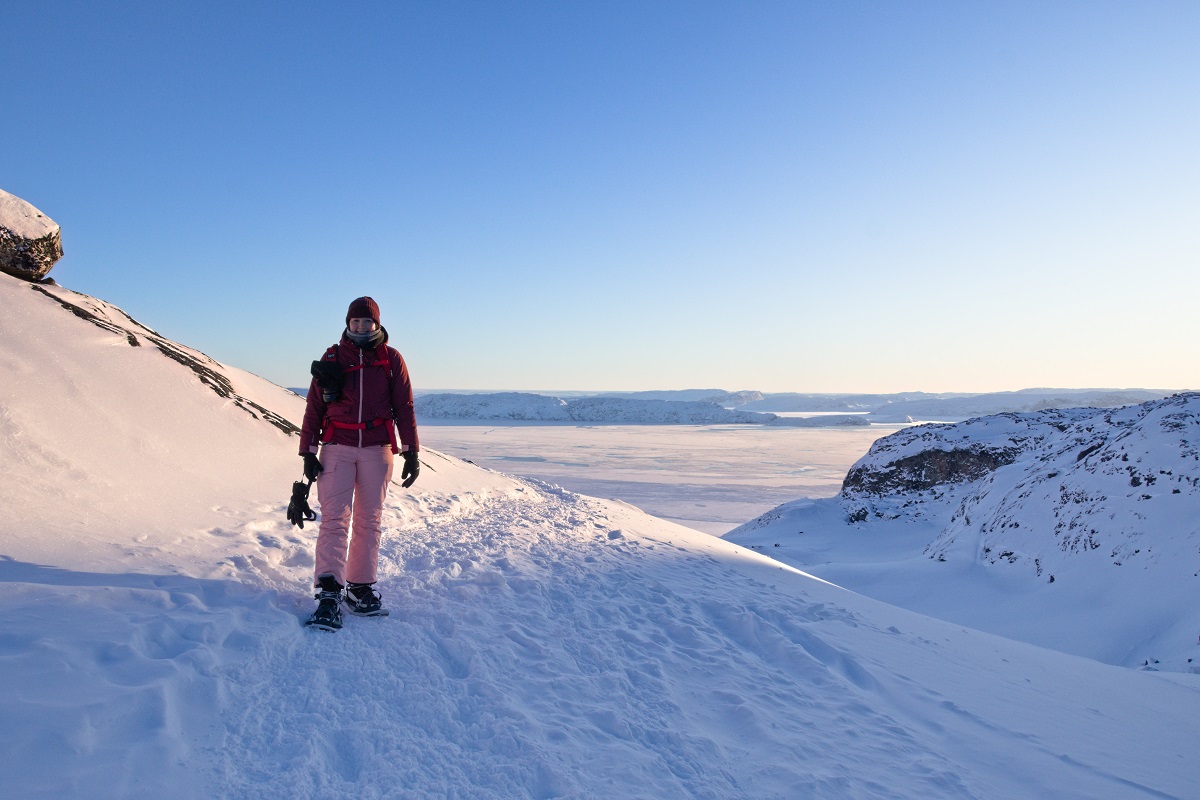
[(519, 406)]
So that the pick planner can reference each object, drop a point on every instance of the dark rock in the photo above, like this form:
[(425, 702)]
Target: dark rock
[(928, 469)]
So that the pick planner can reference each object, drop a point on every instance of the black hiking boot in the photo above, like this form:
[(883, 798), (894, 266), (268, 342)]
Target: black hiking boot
[(328, 616), (363, 600)]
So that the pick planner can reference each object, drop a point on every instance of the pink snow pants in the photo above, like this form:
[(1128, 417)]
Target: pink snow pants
[(352, 486)]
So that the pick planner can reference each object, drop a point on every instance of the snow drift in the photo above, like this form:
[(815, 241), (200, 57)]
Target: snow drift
[(542, 644)]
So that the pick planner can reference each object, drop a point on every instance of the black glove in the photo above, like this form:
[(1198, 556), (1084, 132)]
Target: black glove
[(412, 468), (312, 467), (298, 510)]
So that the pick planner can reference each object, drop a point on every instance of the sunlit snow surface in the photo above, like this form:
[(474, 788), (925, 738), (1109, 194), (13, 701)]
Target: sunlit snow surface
[(541, 645)]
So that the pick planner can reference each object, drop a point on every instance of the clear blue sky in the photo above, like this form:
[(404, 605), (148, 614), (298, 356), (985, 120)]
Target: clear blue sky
[(785, 196)]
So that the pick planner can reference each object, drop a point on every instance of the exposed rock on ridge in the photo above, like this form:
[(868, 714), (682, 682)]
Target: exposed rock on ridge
[(939, 457), (30, 242), (926, 470)]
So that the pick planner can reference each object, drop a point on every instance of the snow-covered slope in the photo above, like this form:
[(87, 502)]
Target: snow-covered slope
[(1090, 517), (542, 644), (117, 441)]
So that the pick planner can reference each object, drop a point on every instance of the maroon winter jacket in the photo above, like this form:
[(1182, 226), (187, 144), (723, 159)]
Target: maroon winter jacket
[(371, 393)]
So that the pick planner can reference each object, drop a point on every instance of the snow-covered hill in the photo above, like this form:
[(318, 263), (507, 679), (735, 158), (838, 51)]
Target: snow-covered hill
[(1091, 517), (542, 644)]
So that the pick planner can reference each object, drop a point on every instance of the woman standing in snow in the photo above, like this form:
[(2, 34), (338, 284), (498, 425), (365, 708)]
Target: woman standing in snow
[(359, 396)]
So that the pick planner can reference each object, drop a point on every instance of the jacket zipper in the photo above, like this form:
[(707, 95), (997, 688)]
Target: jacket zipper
[(362, 371)]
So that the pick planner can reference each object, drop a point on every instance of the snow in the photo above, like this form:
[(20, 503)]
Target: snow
[(708, 477), (23, 219), (1085, 539), (542, 643)]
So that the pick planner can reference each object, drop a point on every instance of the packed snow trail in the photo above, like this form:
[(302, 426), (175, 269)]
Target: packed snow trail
[(544, 647), (548, 645), (534, 651)]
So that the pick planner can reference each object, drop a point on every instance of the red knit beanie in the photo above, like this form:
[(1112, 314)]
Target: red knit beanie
[(363, 308)]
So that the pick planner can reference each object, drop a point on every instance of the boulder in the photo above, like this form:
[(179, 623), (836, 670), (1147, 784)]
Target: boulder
[(30, 242)]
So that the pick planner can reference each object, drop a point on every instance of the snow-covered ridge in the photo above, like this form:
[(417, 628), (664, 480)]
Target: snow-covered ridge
[(1037, 488), (211, 373), (521, 406)]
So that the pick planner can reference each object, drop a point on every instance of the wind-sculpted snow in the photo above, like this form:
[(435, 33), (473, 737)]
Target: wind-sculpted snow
[(541, 644)]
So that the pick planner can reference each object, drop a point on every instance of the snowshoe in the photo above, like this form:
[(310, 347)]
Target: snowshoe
[(328, 616), (362, 599)]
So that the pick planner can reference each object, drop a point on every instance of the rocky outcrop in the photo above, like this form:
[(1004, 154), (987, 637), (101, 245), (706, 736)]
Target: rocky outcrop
[(927, 469), (30, 242), (1033, 489), (930, 462), (1120, 485)]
